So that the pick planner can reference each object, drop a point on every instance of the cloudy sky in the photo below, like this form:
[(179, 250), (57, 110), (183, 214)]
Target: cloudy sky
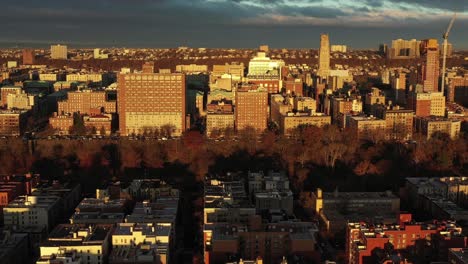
[(228, 23)]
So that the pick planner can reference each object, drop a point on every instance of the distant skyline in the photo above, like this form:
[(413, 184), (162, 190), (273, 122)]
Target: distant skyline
[(360, 24)]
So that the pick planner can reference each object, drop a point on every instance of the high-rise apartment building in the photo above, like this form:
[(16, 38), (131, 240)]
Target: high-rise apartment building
[(405, 49), (324, 56), (58, 52), (430, 70), (149, 101), (339, 48), (251, 108), (398, 82), (28, 57)]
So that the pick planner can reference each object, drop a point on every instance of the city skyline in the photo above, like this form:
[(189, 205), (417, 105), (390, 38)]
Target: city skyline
[(359, 24)]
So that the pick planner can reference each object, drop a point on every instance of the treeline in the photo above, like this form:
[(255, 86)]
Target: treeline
[(313, 157)]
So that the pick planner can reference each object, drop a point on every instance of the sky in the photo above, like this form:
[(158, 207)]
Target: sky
[(360, 24)]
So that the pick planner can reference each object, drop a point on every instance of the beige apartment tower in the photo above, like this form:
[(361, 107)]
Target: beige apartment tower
[(58, 52), (324, 56)]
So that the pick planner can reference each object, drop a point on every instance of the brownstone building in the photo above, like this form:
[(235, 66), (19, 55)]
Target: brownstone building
[(149, 101), (87, 102), (28, 57), (251, 108)]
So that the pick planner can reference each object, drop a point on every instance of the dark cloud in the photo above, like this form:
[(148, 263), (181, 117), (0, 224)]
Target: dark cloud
[(225, 23)]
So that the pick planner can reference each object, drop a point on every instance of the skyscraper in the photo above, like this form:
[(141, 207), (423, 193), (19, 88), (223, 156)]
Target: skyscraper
[(28, 57), (430, 70), (151, 101), (58, 52), (324, 56)]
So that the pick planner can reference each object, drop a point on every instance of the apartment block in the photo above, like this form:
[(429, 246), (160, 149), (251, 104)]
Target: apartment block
[(366, 127), (270, 192), (428, 126), (293, 120), (58, 52), (141, 243), (32, 211), (29, 57), (220, 116), (367, 242), (91, 243), (336, 208), (14, 248), (399, 121), (87, 102), (13, 122), (68, 257), (61, 123), (251, 108), (6, 90), (151, 101)]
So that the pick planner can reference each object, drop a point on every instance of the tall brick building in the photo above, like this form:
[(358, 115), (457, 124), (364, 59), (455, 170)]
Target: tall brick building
[(431, 69), (28, 57), (149, 101), (251, 108)]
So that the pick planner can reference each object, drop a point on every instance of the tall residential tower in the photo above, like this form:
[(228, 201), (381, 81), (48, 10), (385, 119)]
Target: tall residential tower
[(324, 56)]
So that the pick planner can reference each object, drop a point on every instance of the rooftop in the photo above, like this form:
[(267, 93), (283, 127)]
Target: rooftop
[(78, 234)]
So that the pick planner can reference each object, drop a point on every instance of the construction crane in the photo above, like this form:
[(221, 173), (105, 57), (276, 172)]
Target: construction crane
[(444, 60)]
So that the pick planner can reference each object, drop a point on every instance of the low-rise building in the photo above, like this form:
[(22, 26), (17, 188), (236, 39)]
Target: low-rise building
[(13, 248), (366, 127), (271, 242), (293, 120), (91, 243), (99, 124), (69, 193), (141, 243), (61, 258), (151, 190), (61, 123), (335, 209), (32, 211), (376, 243), (399, 121)]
